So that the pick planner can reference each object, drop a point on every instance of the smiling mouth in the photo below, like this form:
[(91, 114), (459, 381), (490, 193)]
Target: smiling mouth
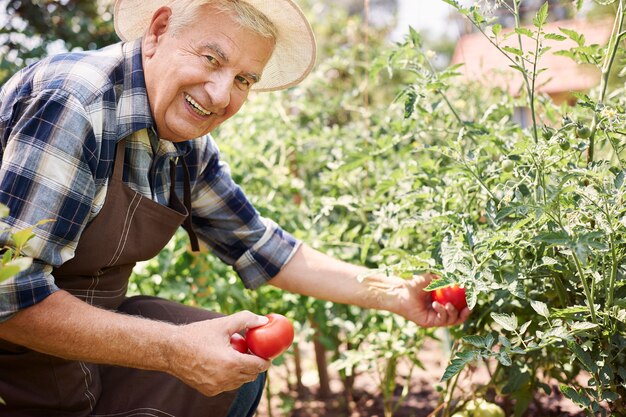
[(197, 107)]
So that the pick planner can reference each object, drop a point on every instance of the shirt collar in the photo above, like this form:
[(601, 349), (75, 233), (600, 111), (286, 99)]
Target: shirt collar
[(133, 110)]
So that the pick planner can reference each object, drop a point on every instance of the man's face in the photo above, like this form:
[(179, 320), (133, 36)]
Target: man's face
[(200, 76)]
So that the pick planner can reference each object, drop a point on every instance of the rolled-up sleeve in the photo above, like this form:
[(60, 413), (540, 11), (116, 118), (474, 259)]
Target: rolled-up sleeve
[(227, 222)]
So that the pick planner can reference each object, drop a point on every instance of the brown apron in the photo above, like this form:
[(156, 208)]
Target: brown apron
[(129, 228)]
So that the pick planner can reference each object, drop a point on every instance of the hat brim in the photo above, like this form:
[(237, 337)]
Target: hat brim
[(294, 54)]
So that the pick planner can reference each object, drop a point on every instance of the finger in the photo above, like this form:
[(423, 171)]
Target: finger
[(439, 308), (419, 282), (464, 315), (249, 377), (252, 365), (244, 320), (253, 369), (452, 313)]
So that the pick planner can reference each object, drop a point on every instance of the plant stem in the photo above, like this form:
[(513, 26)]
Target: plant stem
[(613, 276), (612, 47), (588, 293), (530, 85)]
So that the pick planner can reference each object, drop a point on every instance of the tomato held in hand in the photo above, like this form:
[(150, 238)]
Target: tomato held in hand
[(271, 339), (451, 294), (238, 342)]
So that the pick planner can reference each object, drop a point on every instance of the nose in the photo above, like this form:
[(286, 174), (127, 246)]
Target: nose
[(219, 89)]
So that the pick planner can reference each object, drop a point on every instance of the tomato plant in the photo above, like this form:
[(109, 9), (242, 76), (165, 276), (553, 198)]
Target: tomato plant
[(535, 244), (239, 343), (453, 294), (271, 339)]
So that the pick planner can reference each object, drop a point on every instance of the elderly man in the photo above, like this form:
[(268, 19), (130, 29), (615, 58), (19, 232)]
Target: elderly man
[(114, 146)]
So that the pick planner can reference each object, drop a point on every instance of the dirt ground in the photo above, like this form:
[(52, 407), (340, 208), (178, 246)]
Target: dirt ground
[(366, 401)]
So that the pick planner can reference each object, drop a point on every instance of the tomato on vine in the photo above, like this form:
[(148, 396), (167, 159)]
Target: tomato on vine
[(508, 165), (583, 131), (453, 294), (547, 132), (564, 143)]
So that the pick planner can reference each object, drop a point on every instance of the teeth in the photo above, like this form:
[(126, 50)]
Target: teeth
[(197, 107)]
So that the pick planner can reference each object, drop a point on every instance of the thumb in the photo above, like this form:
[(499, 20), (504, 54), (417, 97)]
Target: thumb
[(421, 281), (244, 320)]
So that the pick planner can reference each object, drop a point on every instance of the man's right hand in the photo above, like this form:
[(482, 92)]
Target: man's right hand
[(200, 354)]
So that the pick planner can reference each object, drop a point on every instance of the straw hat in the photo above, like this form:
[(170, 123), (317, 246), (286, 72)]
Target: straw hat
[(294, 54)]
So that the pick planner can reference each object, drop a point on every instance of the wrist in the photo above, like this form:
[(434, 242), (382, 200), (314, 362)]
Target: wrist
[(168, 343), (381, 291)]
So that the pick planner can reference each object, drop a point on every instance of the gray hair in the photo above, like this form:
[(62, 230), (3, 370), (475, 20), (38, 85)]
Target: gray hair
[(185, 11)]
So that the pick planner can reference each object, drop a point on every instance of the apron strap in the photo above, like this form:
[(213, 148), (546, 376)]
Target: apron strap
[(118, 167), (187, 225)]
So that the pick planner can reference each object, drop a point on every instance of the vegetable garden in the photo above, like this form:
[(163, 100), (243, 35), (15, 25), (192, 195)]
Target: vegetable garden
[(382, 158)]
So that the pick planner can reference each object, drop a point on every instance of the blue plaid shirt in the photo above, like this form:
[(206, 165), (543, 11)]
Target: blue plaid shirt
[(59, 122)]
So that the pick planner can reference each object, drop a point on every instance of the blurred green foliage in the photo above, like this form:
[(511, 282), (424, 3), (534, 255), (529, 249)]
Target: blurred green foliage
[(32, 28)]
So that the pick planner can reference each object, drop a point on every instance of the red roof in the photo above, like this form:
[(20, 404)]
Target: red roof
[(484, 63)]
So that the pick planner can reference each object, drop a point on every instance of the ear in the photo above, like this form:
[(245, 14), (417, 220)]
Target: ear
[(158, 27)]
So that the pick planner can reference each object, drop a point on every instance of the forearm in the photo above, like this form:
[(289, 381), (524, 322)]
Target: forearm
[(63, 326), (315, 274)]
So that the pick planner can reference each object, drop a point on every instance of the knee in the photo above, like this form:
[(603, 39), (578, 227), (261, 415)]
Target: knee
[(248, 398)]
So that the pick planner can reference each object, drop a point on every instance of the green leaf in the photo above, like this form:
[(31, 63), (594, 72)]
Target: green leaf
[(8, 271), (365, 248), (579, 38), (542, 16), (508, 322), (504, 359), (583, 357), (453, 3), (4, 211), (456, 366), (489, 340), (570, 312), (554, 238), (540, 307), (496, 29), (7, 256), (524, 327), (577, 397), (524, 32), (439, 283), (583, 326), (505, 212), (514, 51), (477, 341), (409, 103), (555, 37), (22, 236), (15, 266)]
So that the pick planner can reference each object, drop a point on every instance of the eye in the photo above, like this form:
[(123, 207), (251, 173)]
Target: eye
[(243, 82), (211, 59)]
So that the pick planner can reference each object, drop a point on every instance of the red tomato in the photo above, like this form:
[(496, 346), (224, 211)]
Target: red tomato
[(452, 294), (271, 339), (238, 342)]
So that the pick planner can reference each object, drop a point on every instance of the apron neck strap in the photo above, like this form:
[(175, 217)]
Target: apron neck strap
[(118, 167), (187, 225)]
